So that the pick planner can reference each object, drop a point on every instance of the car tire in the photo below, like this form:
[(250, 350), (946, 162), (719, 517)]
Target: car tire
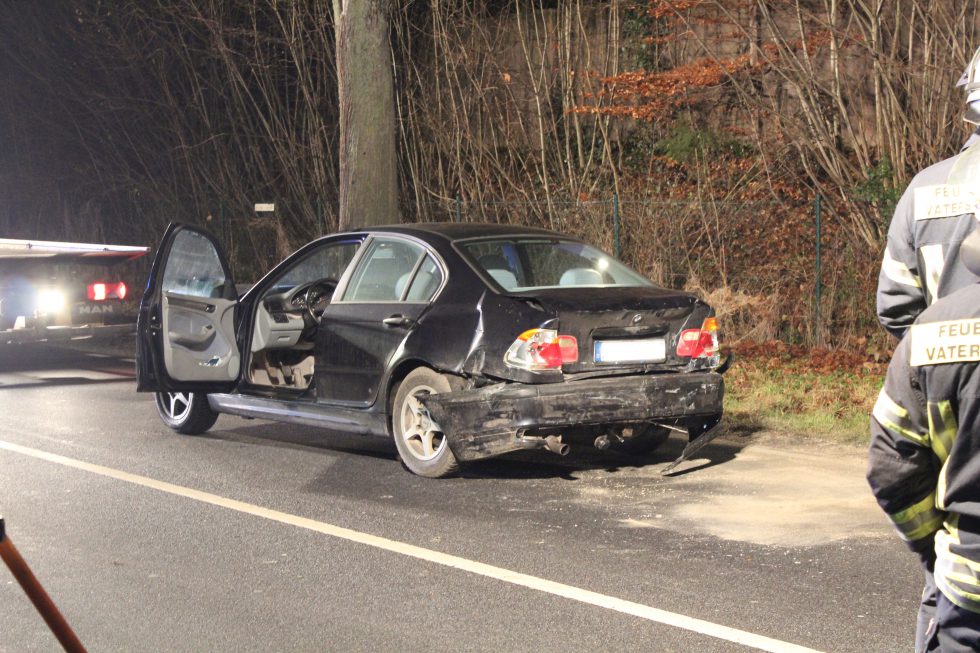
[(423, 447), (186, 412), (646, 439)]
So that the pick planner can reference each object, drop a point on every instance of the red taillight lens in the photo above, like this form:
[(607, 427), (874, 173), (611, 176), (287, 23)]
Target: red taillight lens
[(569, 349), (100, 291), (549, 354), (542, 349), (700, 343), (97, 292), (694, 343)]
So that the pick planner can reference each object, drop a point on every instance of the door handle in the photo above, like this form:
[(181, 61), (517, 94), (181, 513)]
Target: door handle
[(397, 321)]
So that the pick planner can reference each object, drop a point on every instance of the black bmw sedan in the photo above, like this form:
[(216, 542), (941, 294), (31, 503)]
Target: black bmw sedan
[(460, 341)]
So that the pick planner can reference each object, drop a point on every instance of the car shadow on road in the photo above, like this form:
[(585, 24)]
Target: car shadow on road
[(537, 465), (303, 437), (42, 365), (44, 356), (540, 464)]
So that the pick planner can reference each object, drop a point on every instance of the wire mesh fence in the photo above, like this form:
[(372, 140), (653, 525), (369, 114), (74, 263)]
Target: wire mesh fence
[(755, 261)]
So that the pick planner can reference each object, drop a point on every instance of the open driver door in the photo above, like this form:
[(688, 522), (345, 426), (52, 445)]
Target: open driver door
[(186, 338)]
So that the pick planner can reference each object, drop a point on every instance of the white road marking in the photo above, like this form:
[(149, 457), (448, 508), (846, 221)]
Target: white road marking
[(646, 612)]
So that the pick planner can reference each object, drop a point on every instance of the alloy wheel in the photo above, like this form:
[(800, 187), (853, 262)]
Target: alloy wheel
[(422, 435), (176, 404)]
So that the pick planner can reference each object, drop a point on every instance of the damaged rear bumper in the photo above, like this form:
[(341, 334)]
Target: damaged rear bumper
[(492, 420)]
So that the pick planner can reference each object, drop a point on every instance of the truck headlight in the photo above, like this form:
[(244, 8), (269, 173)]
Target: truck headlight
[(51, 300)]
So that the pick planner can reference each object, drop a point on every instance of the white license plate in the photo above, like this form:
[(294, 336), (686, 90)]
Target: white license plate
[(648, 350)]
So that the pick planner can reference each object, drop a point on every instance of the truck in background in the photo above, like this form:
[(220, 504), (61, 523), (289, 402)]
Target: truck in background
[(52, 291)]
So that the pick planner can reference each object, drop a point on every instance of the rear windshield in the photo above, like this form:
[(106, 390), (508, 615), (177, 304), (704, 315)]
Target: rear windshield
[(522, 264)]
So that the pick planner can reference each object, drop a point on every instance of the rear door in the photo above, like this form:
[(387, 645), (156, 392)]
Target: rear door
[(186, 328)]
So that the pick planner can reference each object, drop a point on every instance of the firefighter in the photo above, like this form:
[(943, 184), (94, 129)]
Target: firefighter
[(924, 458), (921, 260), (933, 216)]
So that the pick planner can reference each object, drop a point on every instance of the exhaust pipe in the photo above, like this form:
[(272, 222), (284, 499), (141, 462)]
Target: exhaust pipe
[(554, 444)]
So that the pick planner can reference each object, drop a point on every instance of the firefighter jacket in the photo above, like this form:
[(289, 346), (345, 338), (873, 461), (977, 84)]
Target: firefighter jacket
[(924, 458), (921, 261)]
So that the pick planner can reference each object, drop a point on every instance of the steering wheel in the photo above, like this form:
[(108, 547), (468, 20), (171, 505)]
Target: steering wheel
[(316, 297)]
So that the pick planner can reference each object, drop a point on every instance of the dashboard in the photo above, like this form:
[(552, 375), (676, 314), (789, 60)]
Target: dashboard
[(279, 321)]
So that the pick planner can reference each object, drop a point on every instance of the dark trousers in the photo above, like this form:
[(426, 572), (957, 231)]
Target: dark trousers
[(954, 629), (927, 611)]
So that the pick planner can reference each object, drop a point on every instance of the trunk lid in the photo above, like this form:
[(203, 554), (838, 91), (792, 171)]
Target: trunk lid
[(623, 328)]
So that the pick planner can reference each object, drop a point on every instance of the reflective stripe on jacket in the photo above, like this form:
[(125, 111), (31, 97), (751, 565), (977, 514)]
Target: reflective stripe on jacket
[(924, 458)]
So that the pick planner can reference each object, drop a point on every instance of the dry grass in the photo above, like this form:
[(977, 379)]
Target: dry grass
[(805, 392), (743, 316)]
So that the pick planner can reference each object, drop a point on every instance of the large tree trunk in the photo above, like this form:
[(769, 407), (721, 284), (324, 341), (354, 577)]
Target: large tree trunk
[(368, 160)]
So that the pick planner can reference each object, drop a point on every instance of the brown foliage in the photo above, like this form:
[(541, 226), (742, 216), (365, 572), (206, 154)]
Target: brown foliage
[(847, 85), (656, 96), (778, 355)]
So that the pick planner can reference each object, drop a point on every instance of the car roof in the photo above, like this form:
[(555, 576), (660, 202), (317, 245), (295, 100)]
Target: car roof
[(462, 230)]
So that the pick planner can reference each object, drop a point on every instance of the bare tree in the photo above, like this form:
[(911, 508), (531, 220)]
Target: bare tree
[(368, 158)]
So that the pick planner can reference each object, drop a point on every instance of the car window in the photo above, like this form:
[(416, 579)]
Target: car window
[(194, 268), (499, 259), (426, 282), (326, 262), (528, 264), (385, 270)]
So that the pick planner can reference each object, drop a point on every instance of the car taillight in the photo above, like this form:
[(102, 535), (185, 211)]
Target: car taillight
[(542, 349), (701, 343), (99, 291)]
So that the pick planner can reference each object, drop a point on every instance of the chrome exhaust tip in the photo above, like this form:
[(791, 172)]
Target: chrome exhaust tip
[(554, 444)]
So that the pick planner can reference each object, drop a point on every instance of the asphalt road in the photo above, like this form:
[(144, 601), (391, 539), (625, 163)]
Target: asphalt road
[(268, 537)]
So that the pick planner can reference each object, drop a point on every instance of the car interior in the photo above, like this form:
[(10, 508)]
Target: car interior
[(499, 268), (284, 335), (288, 314), (566, 268)]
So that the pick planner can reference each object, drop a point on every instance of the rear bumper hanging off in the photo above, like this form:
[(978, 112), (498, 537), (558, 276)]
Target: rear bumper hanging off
[(490, 421)]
